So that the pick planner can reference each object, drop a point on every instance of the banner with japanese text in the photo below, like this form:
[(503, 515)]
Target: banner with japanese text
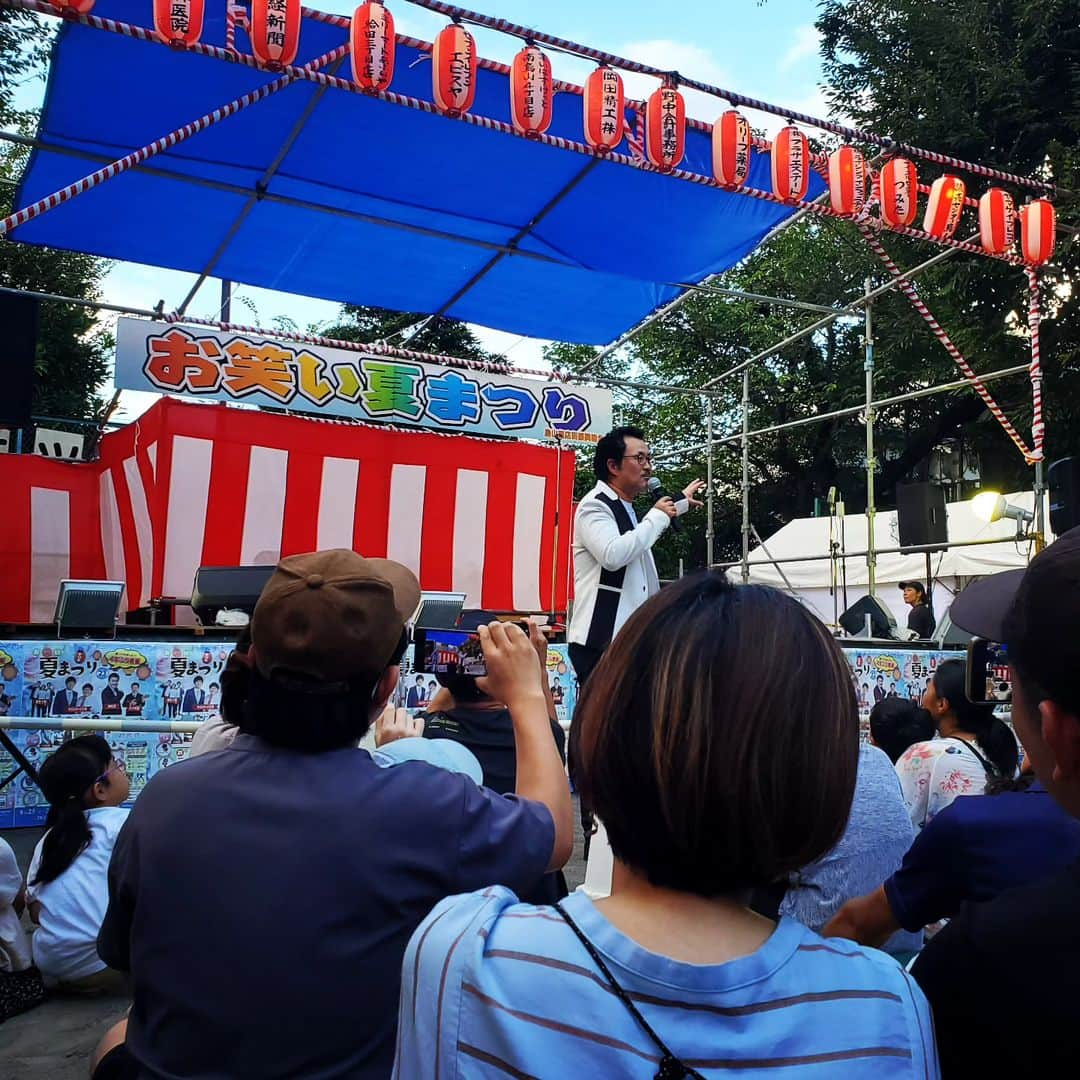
[(212, 365)]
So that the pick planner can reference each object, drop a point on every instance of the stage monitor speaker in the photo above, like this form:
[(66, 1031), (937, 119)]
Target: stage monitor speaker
[(882, 621), (235, 587), (920, 515), (19, 318), (1063, 478)]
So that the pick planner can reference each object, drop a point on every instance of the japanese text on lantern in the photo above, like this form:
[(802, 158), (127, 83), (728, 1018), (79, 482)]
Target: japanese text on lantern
[(609, 119), (179, 18), (669, 125), (181, 362)]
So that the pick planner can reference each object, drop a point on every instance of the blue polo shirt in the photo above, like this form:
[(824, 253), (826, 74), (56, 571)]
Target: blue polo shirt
[(978, 847), (262, 900)]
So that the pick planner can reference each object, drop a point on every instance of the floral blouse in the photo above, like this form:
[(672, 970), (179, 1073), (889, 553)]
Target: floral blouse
[(933, 773)]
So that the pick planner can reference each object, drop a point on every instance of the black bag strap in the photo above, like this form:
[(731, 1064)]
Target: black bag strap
[(991, 770), (671, 1068)]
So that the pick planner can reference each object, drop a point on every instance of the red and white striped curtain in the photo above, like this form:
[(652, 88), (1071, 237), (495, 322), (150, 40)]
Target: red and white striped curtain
[(202, 485)]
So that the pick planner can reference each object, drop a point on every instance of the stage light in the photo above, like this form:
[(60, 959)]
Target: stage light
[(88, 605), (991, 506)]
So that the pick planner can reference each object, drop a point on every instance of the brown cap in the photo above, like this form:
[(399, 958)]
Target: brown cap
[(333, 616)]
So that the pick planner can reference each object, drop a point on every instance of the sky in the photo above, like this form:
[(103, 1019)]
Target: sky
[(769, 51)]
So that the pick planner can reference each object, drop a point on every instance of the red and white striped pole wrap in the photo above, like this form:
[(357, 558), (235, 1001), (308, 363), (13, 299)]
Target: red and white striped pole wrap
[(235, 16), (166, 142), (969, 373), (1038, 428)]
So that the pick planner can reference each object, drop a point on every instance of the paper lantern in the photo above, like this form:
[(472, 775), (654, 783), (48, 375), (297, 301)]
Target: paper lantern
[(790, 164), (178, 22), (371, 41), (847, 180), (731, 148), (997, 218), (944, 206), (72, 7), (603, 106), (1037, 231), (898, 192), (530, 91), (665, 128), (453, 70), (275, 31)]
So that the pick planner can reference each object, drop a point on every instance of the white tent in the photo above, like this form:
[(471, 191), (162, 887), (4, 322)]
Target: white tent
[(951, 569)]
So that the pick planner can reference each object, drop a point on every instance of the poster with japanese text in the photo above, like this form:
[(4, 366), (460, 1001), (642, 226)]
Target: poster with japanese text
[(882, 673), (211, 365)]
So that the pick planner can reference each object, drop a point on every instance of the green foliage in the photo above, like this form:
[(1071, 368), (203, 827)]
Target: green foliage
[(994, 82)]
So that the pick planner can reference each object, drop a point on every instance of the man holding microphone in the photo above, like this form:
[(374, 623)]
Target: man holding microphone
[(614, 571)]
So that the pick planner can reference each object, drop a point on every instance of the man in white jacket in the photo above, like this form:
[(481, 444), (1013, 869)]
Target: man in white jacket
[(614, 571)]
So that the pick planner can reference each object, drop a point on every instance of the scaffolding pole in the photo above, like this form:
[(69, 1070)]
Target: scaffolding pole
[(709, 493), (745, 476), (871, 557)]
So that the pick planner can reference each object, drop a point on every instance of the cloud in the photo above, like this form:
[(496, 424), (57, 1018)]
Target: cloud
[(689, 60), (805, 45)]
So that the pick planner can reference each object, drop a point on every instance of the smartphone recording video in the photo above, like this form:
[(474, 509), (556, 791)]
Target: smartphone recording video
[(449, 652), (988, 672)]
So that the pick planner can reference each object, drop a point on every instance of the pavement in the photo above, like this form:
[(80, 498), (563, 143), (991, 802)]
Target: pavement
[(55, 1040)]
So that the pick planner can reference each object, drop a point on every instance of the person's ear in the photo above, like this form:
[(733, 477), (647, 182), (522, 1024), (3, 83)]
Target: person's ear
[(1061, 733)]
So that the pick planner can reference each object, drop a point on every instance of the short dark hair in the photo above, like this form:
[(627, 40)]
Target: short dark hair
[(70, 679), (612, 447), (720, 738), (897, 723), (198, 678)]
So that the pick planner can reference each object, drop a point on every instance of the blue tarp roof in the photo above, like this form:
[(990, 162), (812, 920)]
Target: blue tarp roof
[(426, 201)]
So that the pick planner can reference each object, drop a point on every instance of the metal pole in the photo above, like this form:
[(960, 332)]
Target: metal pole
[(1040, 506), (226, 300), (709, 484), (746, 477), (871, 557)]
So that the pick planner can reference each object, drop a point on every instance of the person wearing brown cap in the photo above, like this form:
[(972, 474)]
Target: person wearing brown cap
[(263, 895), (1003, 977)]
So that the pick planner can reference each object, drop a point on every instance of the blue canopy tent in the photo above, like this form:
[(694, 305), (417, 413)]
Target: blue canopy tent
[(345, 197)]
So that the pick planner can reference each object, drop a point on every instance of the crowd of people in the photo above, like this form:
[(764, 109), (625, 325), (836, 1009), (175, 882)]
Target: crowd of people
[(284, 905)]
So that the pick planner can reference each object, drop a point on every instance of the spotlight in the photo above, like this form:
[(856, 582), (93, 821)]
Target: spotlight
[(991, 506)]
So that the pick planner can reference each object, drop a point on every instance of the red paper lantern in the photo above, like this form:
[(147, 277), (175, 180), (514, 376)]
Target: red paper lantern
[(790, 164), (944, 206), (371, 41), (531, 91), (453, 70), (898, 192), (847, 180), (603, 106), (275, 31), (997, 218), (731, 148), (1038, 230), (177, 22), (665, 128), (74, 7)]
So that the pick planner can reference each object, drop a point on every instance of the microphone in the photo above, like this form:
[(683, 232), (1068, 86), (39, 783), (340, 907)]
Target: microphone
[(656, 489)]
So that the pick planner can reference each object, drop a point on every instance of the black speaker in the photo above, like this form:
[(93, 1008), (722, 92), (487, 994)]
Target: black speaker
[(19, 320), (218, 587), (920, 515), (1063, 477), (882, 621)]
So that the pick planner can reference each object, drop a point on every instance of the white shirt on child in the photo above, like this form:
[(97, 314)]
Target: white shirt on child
[(73, 905), (14, 944)]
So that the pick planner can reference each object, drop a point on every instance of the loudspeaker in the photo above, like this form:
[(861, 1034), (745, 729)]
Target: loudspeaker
[(19, 318), (218, 587), (1063, 477), (882, 622), (920, 515)]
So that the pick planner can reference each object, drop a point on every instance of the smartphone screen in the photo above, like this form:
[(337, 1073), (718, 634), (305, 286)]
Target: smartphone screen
[(988, 671), (449, 652)]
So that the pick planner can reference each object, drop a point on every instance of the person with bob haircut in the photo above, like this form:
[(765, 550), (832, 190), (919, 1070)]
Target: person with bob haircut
[(719, 746), (973, 747), (896, 724)]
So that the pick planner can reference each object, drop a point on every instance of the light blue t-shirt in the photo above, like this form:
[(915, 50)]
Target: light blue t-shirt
[(491, 987), (878, 835)]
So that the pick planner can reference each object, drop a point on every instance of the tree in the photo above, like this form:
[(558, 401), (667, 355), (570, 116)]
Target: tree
[(72, 348), (964, 79)]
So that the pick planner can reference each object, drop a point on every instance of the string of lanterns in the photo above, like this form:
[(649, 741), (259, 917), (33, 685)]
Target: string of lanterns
[(274, 31)]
